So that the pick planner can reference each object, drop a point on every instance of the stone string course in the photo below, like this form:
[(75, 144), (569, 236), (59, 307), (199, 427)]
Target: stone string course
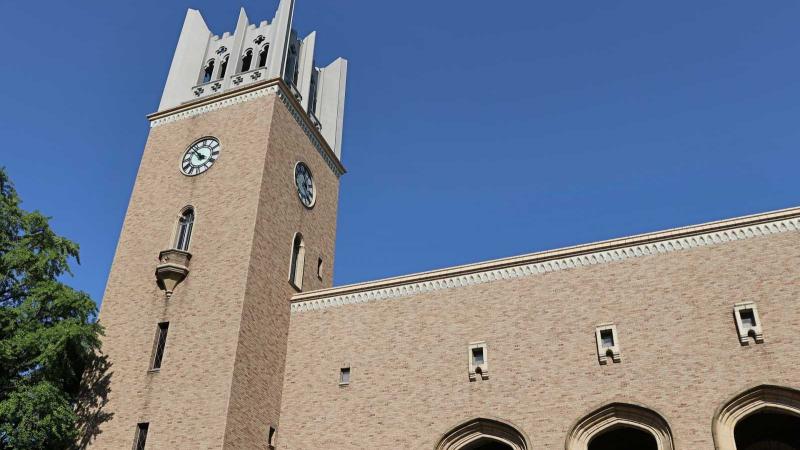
[(540, 263)]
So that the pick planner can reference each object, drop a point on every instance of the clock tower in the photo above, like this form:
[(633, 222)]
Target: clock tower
[(233, 211)]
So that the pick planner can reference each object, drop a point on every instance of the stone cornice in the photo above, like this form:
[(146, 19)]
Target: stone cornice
[(672, 240), (247, 93)]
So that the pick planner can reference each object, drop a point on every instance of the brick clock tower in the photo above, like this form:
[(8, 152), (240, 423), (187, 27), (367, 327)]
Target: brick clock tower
[(233, 211)]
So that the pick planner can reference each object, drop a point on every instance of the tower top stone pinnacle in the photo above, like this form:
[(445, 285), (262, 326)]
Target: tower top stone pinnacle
[(206, 64)]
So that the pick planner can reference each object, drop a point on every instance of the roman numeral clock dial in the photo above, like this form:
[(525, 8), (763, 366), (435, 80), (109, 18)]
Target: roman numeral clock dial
[(200, 156)]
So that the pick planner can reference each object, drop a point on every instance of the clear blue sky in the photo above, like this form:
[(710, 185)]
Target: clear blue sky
[(473, 130)]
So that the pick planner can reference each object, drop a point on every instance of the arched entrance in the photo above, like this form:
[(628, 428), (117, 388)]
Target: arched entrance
[(621, 426), (483, 434), (624, 438), (762, 418), (487, 444), (768, 430)]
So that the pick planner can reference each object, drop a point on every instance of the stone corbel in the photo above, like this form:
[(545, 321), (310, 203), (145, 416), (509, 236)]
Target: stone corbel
[(173, 268)]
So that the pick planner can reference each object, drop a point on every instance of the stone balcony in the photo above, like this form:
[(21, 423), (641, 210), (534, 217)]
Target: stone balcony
[(172, 269)]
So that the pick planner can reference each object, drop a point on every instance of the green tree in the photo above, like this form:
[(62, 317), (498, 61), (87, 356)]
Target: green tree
[(48, 333)]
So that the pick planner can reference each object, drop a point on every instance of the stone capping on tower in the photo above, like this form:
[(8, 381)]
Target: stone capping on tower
[(247, 93), (676, 239)]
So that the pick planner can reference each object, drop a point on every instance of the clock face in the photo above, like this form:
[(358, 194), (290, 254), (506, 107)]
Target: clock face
[(200, 156), (305, 185)]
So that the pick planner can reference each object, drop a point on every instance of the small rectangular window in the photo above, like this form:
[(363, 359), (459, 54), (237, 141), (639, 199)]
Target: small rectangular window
[(607, 338), (161, 342), (748, 323), (319, 268), (607, 343), (748, 318), (344, 376), (271, 438), (478, 361), (477, 356), (141, 436)]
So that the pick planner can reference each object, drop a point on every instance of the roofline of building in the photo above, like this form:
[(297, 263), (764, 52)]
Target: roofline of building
[(213, 102), (566, 257)]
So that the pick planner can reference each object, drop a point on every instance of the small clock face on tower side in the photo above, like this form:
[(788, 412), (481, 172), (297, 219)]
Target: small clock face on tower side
[(305, 185), (200, 156)]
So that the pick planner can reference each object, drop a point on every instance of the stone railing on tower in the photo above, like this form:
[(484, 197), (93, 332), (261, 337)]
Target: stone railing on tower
[(172, 269)]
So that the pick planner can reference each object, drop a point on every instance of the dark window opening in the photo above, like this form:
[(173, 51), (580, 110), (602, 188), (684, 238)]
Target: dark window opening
[(477, 356), (487, 444), (208, 72), (184, 235), (344, 375), (748, 318), (768, 431), (271, 437), (141, 436), (161, 342), (262, 56), (223, 67), (624, 438), (247, 59), (606, 338)]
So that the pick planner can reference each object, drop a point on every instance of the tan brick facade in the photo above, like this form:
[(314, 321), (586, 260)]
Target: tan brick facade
[(220, 382), (246, 352), (680, 353)]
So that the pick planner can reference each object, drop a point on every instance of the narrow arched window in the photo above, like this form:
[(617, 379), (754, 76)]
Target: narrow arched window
[(262, 56), (223, 67), (184, 233), (247, 59), (208, 72), (297, 262)]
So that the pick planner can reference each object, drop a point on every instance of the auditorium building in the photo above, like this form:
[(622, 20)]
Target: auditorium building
[(224, 329)]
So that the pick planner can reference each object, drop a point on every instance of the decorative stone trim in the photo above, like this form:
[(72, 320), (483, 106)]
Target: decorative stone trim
[(308, 131), (604, 352), (552, 261), (616, 415), (478, 369), (748, 330), (775, 398), (477, 430), (213, 106), (245, 94)]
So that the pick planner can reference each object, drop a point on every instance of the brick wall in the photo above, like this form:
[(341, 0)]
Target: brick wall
[(680, 353), (223, 364)]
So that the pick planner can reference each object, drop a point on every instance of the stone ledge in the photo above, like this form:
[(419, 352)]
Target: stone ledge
[(602, 252)]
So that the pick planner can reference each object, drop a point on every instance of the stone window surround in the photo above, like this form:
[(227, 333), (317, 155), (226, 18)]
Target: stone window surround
[(603, 352), (745, 333), (483, 368), (478, 429)]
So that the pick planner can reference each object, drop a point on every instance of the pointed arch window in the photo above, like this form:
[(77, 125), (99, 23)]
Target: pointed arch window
[(297, 262), (247, 60), (262, 56), (184, 232), (208, 71), (223, 66)]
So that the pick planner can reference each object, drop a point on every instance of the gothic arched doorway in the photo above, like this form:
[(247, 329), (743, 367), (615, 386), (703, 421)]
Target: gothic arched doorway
[(621, 426), (765, 417), (483, 434), (624, 438), (768, 430)]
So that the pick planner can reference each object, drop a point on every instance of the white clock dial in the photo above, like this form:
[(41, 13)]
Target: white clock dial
[(200, 156), (305, 185)]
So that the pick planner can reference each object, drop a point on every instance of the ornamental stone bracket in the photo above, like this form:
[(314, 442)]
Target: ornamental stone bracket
[(173, 268)]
